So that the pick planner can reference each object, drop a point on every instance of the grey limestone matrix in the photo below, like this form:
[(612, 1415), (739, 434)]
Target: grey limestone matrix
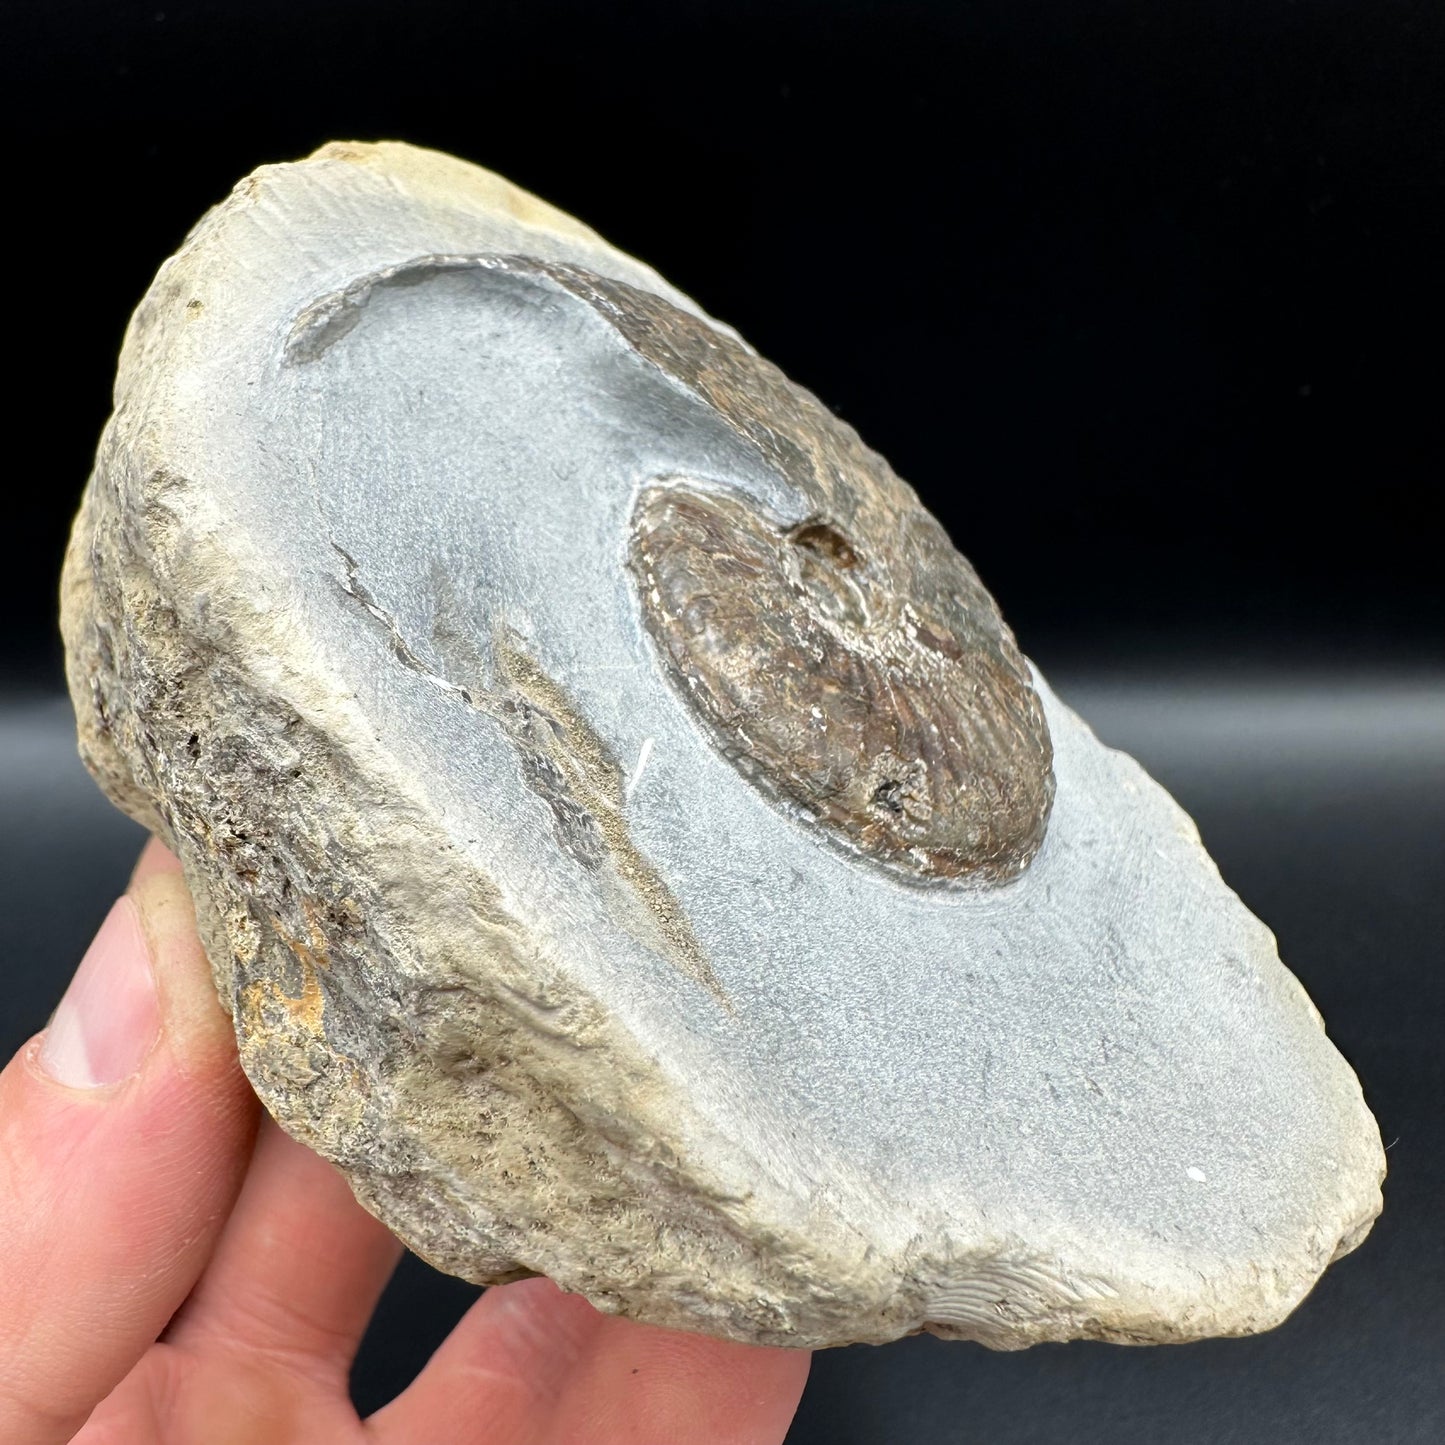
[(627, 837)]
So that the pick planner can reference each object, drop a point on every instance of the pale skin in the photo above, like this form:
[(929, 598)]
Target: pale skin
[(175, 1271)]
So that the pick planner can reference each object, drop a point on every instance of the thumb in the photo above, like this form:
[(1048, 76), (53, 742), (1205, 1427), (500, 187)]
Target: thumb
[(125, 1130)]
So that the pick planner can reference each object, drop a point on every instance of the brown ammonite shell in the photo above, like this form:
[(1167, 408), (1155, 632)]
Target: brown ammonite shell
[(851, 663), (907, 729)]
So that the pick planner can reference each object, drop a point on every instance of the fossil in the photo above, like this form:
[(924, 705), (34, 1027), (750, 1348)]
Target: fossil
[(626, 835), (839, 692)]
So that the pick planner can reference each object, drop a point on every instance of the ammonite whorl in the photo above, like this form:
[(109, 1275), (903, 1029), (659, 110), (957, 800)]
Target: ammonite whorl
[(850, 661), (909, 731)]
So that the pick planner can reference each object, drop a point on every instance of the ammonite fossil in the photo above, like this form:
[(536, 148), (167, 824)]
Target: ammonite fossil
[(873, 685), (626, 836), (911, 730)]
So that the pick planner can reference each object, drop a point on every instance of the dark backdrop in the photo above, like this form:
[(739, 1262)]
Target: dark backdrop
[(1141, 296)]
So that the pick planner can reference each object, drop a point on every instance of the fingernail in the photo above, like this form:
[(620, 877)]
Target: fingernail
[(109, 1017)]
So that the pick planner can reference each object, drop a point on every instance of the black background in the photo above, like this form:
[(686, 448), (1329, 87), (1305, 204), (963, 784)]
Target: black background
[(1142, 297)]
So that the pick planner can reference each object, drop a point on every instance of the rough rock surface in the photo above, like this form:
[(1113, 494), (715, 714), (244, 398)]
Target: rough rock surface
[(521, 925)]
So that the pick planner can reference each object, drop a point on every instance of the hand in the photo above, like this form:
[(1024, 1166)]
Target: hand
[(175, 1271)]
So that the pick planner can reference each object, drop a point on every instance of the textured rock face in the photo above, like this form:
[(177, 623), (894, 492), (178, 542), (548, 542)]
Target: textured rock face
[(627, 838)]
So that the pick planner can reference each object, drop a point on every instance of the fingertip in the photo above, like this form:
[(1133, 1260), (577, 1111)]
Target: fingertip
[(535, 1309), (154, 858), (647, 1385), (197, 1028), (530, 1357), (109, 1018)]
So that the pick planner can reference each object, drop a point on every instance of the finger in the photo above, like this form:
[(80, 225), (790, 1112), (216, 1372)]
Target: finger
[(646, 1386), (298, 1271), (154, 858), (529, 1364), (499, 1374), (124, 1133)]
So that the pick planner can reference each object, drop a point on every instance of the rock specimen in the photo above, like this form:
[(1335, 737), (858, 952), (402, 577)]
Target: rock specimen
[(627, 837)]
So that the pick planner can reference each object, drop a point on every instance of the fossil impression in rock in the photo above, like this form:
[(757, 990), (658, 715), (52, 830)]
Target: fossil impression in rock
[(627, 837)]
